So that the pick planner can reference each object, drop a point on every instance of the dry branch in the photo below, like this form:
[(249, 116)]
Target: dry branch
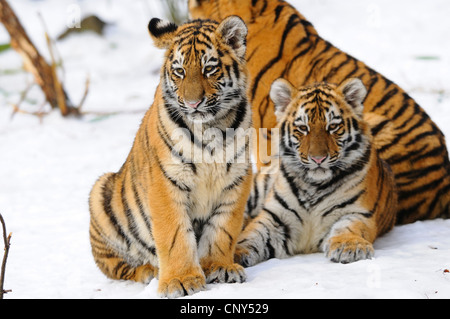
[(44, 74), (7, 241)]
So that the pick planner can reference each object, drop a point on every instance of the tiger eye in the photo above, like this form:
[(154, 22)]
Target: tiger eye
[(179, 71), (303, 128), (332, 127), (209, 68)]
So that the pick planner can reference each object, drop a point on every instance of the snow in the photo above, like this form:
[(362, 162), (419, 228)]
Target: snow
[(48, 165)]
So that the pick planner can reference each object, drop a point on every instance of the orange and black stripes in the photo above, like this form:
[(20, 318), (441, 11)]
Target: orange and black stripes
[(168, 211), (416, 150), (315, 201)]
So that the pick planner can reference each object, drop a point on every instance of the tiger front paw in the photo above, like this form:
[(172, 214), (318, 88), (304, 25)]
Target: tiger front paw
[(217, 273), (347, 249), (181, 286)]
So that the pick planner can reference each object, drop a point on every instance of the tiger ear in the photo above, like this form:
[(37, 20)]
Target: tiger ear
[(354, 93), (281, 93), (234, 32), (162, 32)]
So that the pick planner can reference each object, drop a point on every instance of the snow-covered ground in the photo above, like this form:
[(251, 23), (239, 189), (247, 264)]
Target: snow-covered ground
[(47, 166)]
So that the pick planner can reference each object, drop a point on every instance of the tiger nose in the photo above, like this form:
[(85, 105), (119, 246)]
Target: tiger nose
[(318, 159), (192, 104)]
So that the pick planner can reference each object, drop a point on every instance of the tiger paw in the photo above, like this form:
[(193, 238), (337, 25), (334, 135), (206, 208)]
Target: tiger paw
[(217, 273), (145, 274), (179, 287), (244, 257), (346, 249)]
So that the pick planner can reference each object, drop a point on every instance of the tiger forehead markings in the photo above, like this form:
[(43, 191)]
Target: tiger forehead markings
[(164, 213)]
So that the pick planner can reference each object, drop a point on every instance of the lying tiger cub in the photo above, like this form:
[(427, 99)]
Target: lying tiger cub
[(331, 192)]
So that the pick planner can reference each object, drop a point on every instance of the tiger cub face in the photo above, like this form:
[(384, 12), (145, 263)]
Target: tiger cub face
[(321, 127), (204, 69)]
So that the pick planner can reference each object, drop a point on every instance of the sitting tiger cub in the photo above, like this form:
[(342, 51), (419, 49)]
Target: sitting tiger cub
[(168, 212), (330, 192)]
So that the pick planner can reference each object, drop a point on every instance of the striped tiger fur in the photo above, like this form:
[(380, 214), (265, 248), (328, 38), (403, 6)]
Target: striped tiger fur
[(282, 43), (331, 191), (175, 208)]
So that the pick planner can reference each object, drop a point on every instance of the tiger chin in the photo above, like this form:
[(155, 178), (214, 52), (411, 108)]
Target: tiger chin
[(330, 191), (168, 213)]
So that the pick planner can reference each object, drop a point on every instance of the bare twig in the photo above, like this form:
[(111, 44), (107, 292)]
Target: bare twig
[(86, 91), (112, 113), (61, 98), (7, 241), (23, 96), (44, 74)]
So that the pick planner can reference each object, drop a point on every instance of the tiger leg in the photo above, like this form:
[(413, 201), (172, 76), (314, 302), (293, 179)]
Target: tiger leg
[(350, 239), (103, 237), (265, 237), (180, 273), (218, 242)]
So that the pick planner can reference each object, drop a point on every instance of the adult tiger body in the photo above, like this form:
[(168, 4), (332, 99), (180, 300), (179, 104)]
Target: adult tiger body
[(175, 208), (331, 192), (282, 43)]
